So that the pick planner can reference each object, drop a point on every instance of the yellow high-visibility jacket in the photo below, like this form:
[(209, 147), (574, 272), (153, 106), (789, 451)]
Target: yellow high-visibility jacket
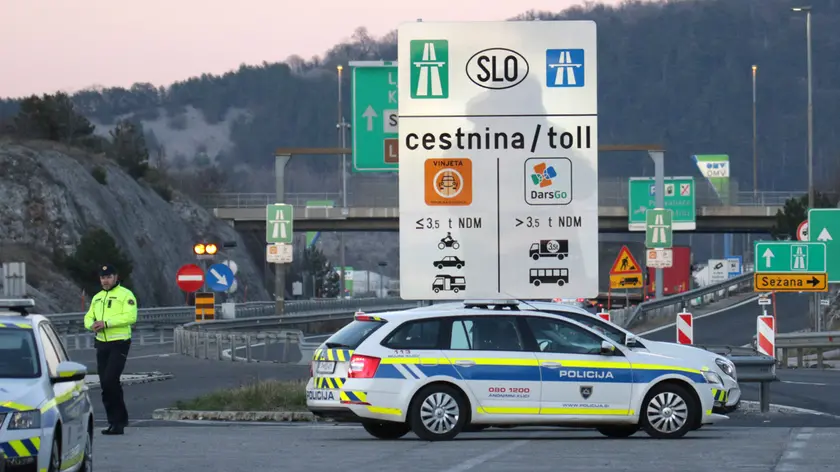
[(117, 308)]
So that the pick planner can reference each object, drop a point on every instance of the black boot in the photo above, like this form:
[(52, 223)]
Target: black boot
[(114, 429)]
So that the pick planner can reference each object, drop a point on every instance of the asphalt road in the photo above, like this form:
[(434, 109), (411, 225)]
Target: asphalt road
[(193, 377), (329, 447), (737, 326)]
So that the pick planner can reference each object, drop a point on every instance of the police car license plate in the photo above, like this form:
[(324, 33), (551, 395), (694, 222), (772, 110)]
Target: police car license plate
[(326, 367)]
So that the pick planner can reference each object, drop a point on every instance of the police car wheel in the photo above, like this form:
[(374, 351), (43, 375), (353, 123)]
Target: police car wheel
[(619, 431), (55, 455), (438, 413), (668, 412), (386, 429), (87, 458)]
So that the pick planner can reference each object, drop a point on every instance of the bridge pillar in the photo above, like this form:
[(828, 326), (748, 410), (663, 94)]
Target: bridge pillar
[(280, 162)]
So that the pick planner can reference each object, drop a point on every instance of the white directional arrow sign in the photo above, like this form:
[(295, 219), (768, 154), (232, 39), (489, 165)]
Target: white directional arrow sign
[(370, 114), (221, 278), (768, 256), (824, 235)]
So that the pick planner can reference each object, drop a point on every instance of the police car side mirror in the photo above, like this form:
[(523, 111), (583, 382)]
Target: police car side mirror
[(69, 371), (632, 341), (607, 348)]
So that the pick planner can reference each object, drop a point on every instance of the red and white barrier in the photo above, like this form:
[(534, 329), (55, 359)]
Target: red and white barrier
[(766, 335), (604, 316), (685, 328)]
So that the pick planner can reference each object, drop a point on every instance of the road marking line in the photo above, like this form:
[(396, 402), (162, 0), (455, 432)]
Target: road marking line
[(478, 460), (790, 454), (716, 312), (147, 356), (804, 383)]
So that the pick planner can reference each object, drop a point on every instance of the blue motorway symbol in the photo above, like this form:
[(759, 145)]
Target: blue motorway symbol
[(219, 277), (564, 68)]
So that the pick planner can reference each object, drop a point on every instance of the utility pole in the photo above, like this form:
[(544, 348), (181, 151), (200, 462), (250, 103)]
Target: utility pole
[(342, 142), (755, 137)]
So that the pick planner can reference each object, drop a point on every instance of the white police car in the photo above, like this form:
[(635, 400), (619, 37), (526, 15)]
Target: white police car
[(727, 400), (439, 372), (46, 417)]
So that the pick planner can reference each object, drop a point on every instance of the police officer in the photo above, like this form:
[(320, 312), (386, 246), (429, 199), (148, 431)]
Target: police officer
[(112, 313)]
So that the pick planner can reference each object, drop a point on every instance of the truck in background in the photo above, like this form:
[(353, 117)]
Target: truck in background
[(677, 278)]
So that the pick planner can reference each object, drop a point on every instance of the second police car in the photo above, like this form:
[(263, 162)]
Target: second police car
[(46, 416), (728, 399), (438, 372)]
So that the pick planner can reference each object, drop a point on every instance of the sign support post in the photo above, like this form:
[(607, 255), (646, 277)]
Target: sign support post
[(280, 162), (658, 158)]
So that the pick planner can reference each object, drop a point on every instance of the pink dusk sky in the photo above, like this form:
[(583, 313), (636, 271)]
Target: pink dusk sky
[(50, 45)]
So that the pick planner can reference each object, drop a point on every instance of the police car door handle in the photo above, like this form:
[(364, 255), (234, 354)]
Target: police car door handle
[(552, 365), (465, 363)]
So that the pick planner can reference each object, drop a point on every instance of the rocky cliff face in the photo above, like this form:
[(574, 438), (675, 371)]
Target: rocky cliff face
[(49, 199)]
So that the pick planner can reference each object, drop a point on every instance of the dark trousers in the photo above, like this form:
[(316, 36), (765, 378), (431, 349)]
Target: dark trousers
[(110, 362)]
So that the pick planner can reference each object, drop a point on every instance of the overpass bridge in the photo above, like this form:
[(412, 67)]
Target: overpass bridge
[(373, 210)]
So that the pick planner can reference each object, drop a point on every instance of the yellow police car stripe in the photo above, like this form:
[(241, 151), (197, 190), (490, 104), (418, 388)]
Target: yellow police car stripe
[(552, 411), (12, 406), (340, 355), (21, 447), (720, 395), (329, 382), (353, 396), (534, 362), (16, 325), (384, 411)]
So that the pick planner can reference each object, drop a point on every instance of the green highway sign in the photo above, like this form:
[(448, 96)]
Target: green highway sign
[(789, 256), (659, 231), (375, 116), (679, 198), (279, 221), (429, 68), (824, 227)]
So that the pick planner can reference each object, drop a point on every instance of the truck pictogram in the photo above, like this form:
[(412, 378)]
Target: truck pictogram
[(558, 248)]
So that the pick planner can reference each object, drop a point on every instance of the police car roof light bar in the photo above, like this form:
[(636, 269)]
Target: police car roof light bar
[(18, 305)]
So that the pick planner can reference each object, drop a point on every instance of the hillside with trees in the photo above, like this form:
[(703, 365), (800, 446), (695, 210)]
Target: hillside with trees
[(676, 73)]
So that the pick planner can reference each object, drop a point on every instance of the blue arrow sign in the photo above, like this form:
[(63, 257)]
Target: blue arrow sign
[(219, 277)]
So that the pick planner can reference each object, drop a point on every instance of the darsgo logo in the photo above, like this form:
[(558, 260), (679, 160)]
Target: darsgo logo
[(549, 181), (497, 68), (564, 68), (543, 174), (429, 62)]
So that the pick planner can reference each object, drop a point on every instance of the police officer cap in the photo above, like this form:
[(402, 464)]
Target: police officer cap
[(107, 269)]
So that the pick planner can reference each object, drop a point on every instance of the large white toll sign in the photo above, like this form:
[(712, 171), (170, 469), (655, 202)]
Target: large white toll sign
[(498, 160)]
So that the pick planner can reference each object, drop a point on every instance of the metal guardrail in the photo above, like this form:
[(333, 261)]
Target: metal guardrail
[(671, 305), (608, 195), (268, 335), (760, 369), (813, 341), (68, 323)]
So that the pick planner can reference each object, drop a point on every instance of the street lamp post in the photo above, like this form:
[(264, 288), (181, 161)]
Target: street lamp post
[(807, 11), (342, 142), (755, 150)]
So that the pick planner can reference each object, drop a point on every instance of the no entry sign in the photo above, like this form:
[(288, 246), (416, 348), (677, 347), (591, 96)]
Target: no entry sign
[(190, 278)]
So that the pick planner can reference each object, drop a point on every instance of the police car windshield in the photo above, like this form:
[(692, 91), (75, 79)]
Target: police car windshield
[(18, 356), (352, 335)]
